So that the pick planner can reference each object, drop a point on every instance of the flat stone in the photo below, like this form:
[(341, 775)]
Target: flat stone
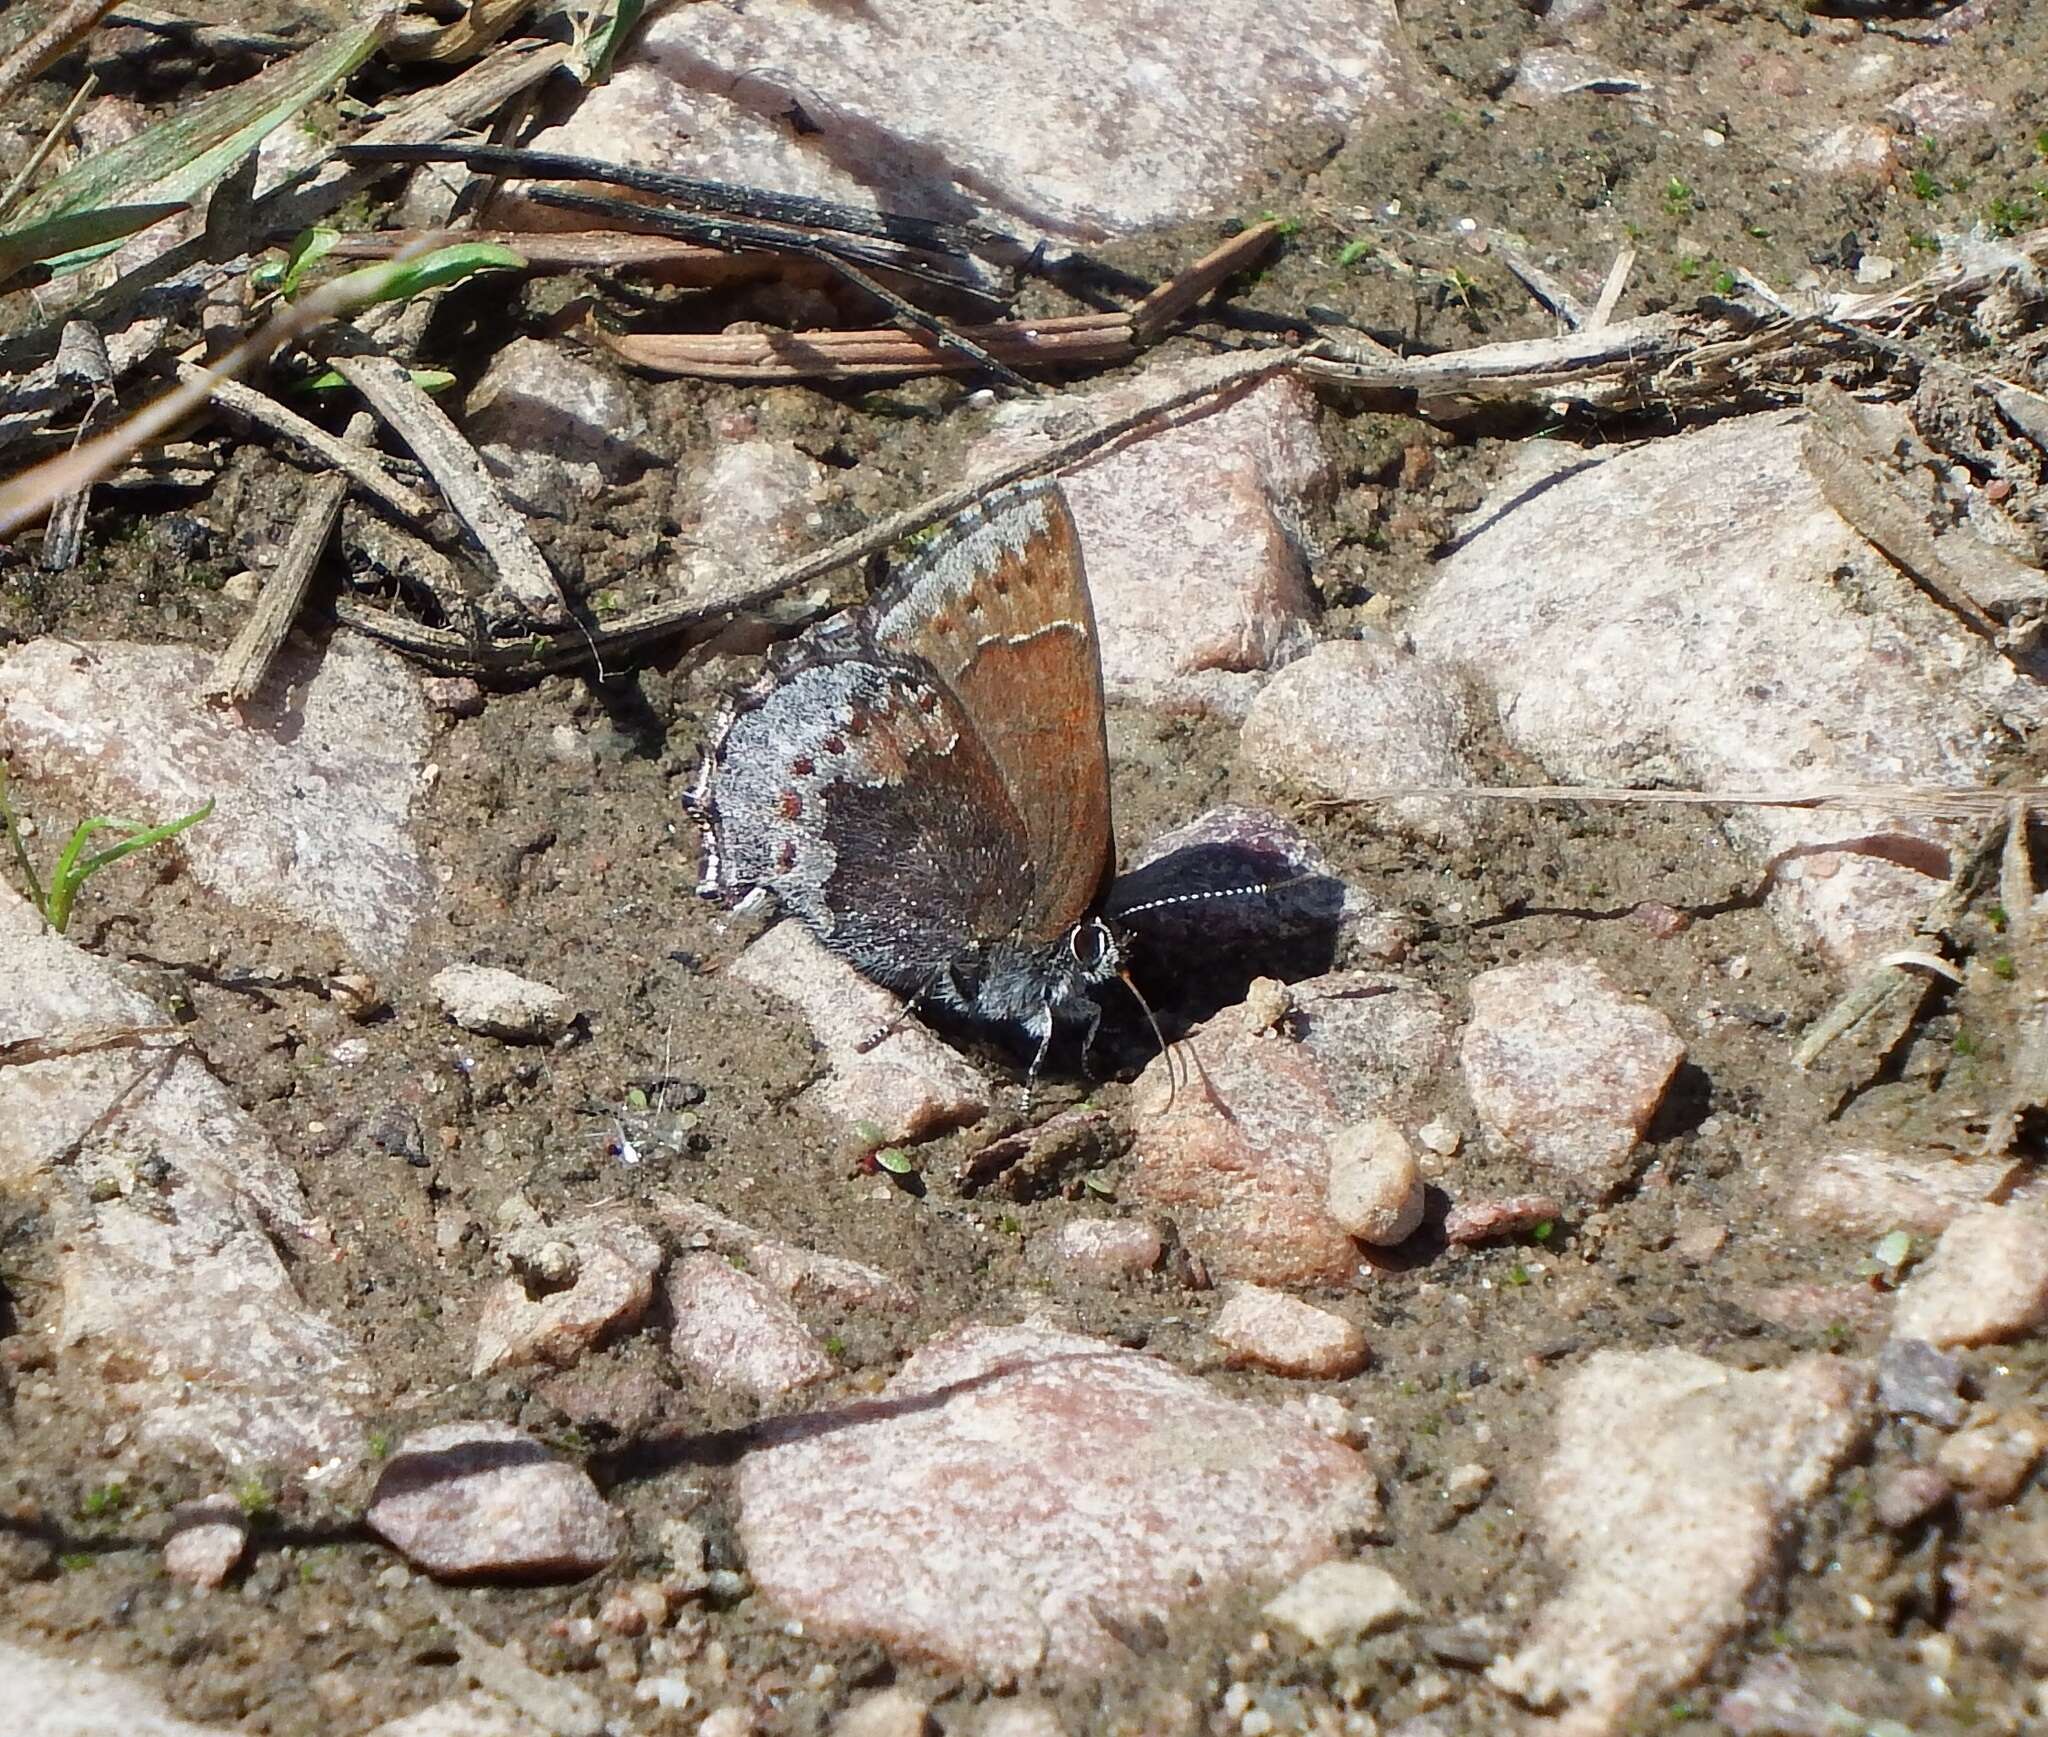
[(907, 1087), (206, 1541), (1249, 1189), (1271, 1330), (1016, 1494), (1375, 1188), (522, 1322), (1477, 1221), (756, 502), (734, 1330), (311, 816), (1990, 1460), (554, 427), (1105, 1250), (1915, 1380), (805, 1276), (497, 1003), (1336, 1602), (1986, 1281), (1088, 123), (479, 1499), (176, 1313), (1192, 536), (1666, 1501), (1566, 1069), (1692, 613), (75, 1697), (1863, 1191), (1359, 716)]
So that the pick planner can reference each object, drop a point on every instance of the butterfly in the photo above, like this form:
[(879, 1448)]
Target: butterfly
[(924, 780)]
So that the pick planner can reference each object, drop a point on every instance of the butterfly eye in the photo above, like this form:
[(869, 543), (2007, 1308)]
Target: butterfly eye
[(1092, 945)]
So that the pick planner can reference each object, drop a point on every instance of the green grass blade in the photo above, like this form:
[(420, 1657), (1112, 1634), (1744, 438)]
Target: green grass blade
[(71, 873), (189, 150), (55, 236)]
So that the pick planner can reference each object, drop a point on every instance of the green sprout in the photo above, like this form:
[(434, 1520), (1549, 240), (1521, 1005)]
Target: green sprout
[(896, 1161), (2002, 966), (1923, 185), (104, 1501), (1678, 197), (74, 866), (1353, 251), (255, 1497)]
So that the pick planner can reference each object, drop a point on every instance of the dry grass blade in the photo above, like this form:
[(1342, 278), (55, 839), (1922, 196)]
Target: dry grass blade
[(83, 356), (1954, 802), (32, 36), (684, 262), (239, 671), (886, 354), (1159, 310), (523, 580), (483, 22), (33, 163)]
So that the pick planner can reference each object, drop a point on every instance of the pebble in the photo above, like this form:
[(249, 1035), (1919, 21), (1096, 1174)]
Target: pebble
[(1916, 1380), (1272, 1330), (1909, 1495), (1335, 1602), (1475, 1221), (1375, 1189), (1107, 1249), (606, 1289), (887, 1713), (479, 1498), (1987, 1280), (497, 1003), (206, 1541), (733, 1329), (1989, 1460)]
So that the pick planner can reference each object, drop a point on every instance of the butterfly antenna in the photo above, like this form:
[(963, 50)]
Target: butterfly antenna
[(1257, 889), (1194, 1056)]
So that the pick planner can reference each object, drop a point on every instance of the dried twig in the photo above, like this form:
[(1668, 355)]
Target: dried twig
[(1539, 283), (523, 579), (238, 672), (1610, 291), (83, 356), (584, 250), (86, 91), (358, 463), (24, 55)]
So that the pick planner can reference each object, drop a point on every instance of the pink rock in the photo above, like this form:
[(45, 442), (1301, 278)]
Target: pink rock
[(555, 427), (908, 1087), (1564, 1067), (175, 1311), (1937, 107), (477, 1498), (1106, 1249), (733, 1330), (1474, 1221), (522, 1323), (1077, 120), (310, 824), (1986, 1281), (1580, 607), (1018, 1494), (1191, 536), (1864, 1191), (1856, 150), (1274, 1331), (1358, 716), (1666, 1502), (802, 1275), (1249, 1188), (1989, 1460), (755, 503), (206, 1540)]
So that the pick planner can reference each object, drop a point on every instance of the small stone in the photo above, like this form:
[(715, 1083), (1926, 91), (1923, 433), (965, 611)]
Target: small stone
[(502, 1004), (1021, 1719), (1375, 1189), (1661, 922), (1991, 1459), (604, 1288), (479, 1498), (453, 696), (1439, 1137), (1475, 1221), (805, 1276), (1465, 1486), (1909, 1495), (1335, 1602), (1866, 1191), (1987, 1280), (206, 1540), (1699, 1243), (635, 1609), (1563, 1066), (1915, 1380), (734, 1330), (1275, 1331), (728, 1722), (1266, 1005), (890, 1713), (1107, 1249)]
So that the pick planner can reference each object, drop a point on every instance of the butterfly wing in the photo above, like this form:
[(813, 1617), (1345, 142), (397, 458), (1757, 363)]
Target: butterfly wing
[(858, 793), (997, 606)]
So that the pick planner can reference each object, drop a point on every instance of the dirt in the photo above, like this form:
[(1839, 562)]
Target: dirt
[(577, 868)]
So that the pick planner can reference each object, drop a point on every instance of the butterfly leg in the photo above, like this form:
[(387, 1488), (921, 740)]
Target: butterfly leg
[(902, 1016), (1044, 1025), (1088, 1038)]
